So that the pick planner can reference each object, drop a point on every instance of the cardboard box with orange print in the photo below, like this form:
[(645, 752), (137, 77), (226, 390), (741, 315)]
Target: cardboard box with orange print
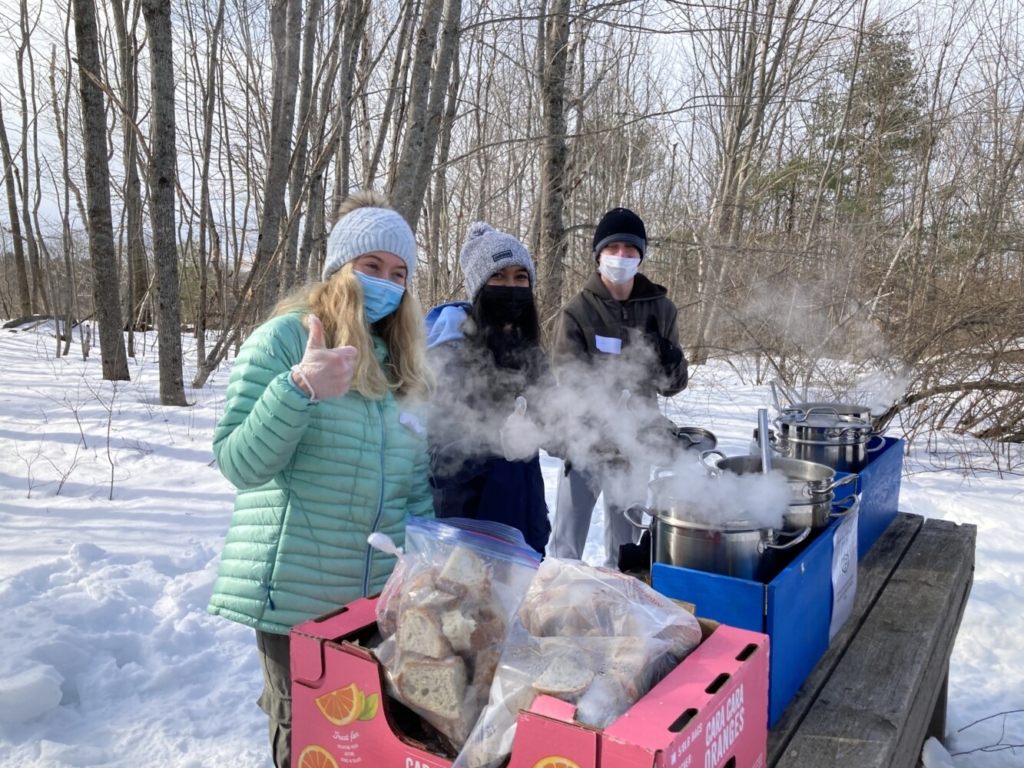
[(709, 712)]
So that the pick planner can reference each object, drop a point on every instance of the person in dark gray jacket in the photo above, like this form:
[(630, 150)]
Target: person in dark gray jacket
[(596, 335)]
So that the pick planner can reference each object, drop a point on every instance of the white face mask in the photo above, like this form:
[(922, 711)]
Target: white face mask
[(618, 269)]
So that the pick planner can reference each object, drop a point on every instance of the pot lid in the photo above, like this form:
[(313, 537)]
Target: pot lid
[(678, 518), (852, 409), (795, 470), (824, 416), (696, 439)]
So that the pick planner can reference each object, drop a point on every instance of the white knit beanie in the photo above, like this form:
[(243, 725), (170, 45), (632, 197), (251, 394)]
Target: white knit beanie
[(487, 251), (365, 230)]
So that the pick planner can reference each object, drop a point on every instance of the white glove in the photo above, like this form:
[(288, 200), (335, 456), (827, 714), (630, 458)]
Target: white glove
[(520, 437), (324, 373)]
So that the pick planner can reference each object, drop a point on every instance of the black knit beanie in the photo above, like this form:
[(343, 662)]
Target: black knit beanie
[(620, 225)]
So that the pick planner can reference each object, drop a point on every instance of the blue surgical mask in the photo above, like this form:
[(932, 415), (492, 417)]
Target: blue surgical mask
[(381, 297)]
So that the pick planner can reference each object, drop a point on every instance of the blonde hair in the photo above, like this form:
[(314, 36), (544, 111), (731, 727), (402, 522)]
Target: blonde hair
[(338, 303)]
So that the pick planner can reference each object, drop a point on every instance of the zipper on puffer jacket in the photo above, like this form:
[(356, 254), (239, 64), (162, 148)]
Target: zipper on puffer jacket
[(380, 501)]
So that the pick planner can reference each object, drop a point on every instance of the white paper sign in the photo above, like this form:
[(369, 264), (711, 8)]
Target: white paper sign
[(844, 572), (608, 344)]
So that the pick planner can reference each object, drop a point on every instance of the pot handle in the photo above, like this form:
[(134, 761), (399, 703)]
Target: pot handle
[(851, 478), (640, 508), (880, 446), (661, 472), (763, 545), (850, 433), (682, 436), (712, 468), (781, 445), (845, 512), (820, 409)]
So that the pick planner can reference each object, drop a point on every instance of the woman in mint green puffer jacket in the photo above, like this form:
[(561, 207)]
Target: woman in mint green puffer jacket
[(323, 439)]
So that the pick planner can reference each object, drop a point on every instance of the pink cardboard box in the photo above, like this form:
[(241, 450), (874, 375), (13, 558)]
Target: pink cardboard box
[(709, 710)]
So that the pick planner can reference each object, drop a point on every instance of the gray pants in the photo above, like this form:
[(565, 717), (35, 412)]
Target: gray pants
[(276, 699), (577, 495)]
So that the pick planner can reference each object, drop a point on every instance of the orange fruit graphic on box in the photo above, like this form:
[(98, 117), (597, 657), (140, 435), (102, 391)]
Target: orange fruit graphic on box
[(342, 706), (316, 757), (554, 761)]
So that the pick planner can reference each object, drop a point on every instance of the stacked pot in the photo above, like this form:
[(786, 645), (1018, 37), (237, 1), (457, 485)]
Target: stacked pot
[(741, 548), (811, 443), (837, 435), (812, 487)]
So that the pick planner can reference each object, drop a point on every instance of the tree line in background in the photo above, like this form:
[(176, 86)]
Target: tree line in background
[(822, 181)]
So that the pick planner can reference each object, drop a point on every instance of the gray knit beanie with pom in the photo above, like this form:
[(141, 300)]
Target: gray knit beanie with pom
[(487, 251)]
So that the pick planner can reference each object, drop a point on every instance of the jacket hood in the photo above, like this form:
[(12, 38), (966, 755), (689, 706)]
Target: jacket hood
[(643, 289), (444, 322)]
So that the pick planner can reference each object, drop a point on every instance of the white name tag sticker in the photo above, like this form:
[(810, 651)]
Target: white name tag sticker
[(844, 572), (411, 421), (608, 344)]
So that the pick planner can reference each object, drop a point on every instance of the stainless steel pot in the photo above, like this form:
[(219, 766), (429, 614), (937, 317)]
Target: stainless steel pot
[(812, 487), (837, 435), (740, 549)]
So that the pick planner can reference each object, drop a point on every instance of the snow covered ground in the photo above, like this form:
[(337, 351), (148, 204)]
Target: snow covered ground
[(112, 515)]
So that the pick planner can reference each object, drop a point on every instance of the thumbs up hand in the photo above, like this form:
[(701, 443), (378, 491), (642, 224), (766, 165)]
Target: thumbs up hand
[(520, 437), (324, 373)]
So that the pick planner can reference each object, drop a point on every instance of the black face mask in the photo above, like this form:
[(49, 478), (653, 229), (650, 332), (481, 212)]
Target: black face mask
[(505, 305), (506, 322)]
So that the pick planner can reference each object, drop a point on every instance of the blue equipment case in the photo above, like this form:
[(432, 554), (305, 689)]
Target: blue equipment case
[(879, 489), (795, 608)]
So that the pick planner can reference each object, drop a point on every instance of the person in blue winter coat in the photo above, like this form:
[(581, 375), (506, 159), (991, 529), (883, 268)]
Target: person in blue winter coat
[(485, 422)]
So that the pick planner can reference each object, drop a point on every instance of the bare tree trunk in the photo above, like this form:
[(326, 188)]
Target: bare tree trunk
[(306, 95), (397, 77), (20, 269), (106, 296), (322, 149), (439, 196), (24, 52), (162, 182), (753, 81), (428, 92), (286, 26), (140, 312), (553, 157), (353, 25), (60, 121), (206, 222)]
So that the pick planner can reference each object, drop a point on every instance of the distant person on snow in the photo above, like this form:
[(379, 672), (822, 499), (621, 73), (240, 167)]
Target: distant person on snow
[(618, 307), (485, 354), (320, 436)]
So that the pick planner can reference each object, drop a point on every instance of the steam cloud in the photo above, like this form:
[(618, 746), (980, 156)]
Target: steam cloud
[(596, 417)]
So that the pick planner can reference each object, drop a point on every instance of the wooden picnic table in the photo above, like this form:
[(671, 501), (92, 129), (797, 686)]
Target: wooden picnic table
[(880, 690)]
